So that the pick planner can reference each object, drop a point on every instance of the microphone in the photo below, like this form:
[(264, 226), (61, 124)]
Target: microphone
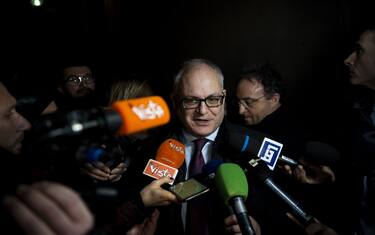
[(258, 144), (232, 186), (320, 153), (171, 152), (169, 157), (260, 171), (125, 117), (109, 155)]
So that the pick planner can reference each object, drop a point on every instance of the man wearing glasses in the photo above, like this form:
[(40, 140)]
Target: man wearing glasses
[(77, 89), (198, 100), (259, 93), (260, 104), (262, 107)]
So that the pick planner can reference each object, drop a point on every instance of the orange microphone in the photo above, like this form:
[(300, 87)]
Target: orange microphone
[(141, 114), (169, 157), (126, 117)]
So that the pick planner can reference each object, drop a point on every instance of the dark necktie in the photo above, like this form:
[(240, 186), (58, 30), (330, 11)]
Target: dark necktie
[(197, 211), (197, 160)]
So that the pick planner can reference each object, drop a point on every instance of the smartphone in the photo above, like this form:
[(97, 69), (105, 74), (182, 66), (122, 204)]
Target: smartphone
[(188, 189)]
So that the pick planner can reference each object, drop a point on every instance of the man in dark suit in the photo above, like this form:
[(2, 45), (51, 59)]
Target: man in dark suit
[(198, 100)]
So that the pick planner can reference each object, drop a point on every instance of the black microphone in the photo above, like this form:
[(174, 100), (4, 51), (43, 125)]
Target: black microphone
[(320, 153), (259, 170), (259, 144), (110, 155)]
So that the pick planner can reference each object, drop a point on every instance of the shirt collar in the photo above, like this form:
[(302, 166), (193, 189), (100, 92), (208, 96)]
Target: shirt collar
[(189, 137)]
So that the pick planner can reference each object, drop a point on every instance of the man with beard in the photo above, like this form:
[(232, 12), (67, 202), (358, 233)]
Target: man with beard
[(77, 89)]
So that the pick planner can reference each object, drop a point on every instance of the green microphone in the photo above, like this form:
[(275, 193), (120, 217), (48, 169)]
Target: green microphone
[(232, 186)]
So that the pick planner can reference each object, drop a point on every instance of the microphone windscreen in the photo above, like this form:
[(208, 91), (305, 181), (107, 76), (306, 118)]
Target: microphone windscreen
[(320, 153), (231, 182), (141, 114), (171, 152), (246, 141)]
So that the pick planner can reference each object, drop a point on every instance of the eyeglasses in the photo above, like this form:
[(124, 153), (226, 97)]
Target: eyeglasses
[(247, 102), (211, 101), (75, 80)]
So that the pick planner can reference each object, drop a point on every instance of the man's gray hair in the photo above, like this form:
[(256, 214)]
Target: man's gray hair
[(191, 64)]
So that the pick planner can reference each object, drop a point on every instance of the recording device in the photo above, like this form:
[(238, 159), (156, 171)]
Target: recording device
[(198, 184), (169, 157), (232, 186), (124, 118), (320, 153), (259, 170), (258, 144), (188, 189)]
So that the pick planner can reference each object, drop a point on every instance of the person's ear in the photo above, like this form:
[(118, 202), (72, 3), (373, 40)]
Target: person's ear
[(60, 89), (175, 103), (275, 98)]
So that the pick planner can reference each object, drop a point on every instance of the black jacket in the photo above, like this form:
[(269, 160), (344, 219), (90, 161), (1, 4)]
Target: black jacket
[(261, 202)]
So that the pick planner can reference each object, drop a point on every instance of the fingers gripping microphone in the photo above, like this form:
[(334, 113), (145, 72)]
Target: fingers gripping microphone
[(232, 187), (124, 118), (169, 157), (257, 144)]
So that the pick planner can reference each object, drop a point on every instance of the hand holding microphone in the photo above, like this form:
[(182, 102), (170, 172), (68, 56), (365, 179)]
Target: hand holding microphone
[(169, 157), (314, 165), (102, 172), (232, 186), (232, 226)]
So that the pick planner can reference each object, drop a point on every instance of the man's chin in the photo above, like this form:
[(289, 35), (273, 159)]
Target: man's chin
[(202, 130), (249, 122), (16, 148), (85, 93)]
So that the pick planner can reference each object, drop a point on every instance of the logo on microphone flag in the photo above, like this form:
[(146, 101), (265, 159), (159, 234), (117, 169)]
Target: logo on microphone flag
[(270, 151), (148, 112), (158, 170)]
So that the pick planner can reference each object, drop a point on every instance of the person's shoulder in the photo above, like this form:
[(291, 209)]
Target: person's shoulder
[(232, 127)]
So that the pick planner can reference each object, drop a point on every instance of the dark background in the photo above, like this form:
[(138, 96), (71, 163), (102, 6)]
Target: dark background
[(306, 41)]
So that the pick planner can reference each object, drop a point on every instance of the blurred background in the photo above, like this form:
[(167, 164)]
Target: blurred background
[(306, 41)]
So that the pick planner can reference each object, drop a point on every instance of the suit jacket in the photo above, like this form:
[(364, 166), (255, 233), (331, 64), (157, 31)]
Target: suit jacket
[(262, 203)]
